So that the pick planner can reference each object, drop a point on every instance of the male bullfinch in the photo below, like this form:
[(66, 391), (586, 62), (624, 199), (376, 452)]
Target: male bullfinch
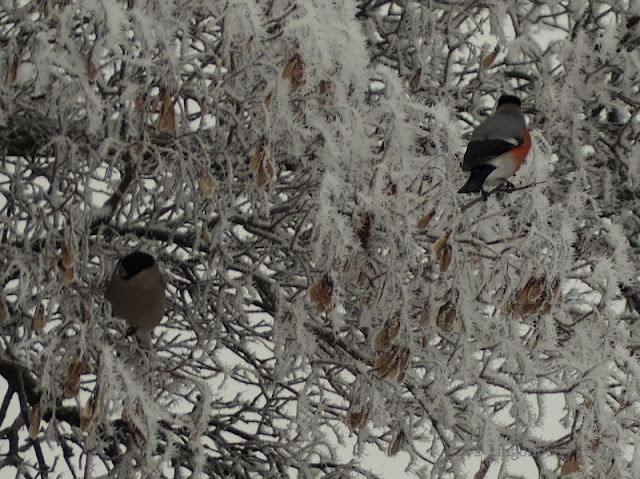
[(497, 148), (136, 292)]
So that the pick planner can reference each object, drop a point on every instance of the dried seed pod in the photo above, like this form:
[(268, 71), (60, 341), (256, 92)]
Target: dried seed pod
[(363, 228), (414, 83), (66, 258), (440, 244), (77, 367), (388, 333), (256, 159), (4, 308), (356, 419), (260, 166), (426, 313), (425, 220), (535, 288), (206, 182), (139, 102), (484, 468), (384, 364), (392, 325), (323, 89), (447, 317), (38, 320), (92, 70), (265, 173), (571, 465), (68, 275), (12, 72), (534, 297), (90, 412), (294, 72), (382, 340), (392, 189), (167, 119), (489, 59), (392, 364), (403, 362), (397, 443), (445, 258), (321, 293), (34, 422)]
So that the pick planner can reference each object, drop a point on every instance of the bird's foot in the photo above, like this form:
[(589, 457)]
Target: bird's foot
[(508, 187)]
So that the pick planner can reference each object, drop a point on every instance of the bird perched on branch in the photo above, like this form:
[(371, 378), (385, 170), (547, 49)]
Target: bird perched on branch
[(497, 148), (136, 292)]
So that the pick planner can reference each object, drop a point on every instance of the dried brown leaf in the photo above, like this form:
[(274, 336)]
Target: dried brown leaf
[(571, 465), (414, 83), (403, 362), (388, 333), (363, 228), (167, 119), (440, 244), (77, 367), (321, 293), (426, 313), (38, 320), (265, 173), (294, 72), (140, 102), (382, 340), (447, 317), (397, 443), (385, 363), (206, 183), (445, 258), (356, 420), (91, 412), (482, 472), (68, 276), (256, 159), (12, 72), (66, 257), (489, 59), (4, 308), (425, 220), (34, 422), (92, 70)]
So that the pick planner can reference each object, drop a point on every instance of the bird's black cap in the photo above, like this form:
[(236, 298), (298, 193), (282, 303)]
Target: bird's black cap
[(135, 262), (504, 99)]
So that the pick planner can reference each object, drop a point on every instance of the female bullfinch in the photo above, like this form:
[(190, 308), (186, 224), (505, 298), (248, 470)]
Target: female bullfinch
[(136, 292)]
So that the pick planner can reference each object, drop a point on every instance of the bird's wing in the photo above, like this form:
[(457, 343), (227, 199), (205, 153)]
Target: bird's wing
[(501, 132), (480, 151)]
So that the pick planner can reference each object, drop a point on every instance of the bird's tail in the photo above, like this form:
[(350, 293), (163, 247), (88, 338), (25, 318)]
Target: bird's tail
[(476, 180)]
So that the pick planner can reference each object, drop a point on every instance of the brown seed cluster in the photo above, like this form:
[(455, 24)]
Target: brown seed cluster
[(294, 72), (356, 419), (321, 293), (443, 252), (535, 297), (392, 364), (261, 167)]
